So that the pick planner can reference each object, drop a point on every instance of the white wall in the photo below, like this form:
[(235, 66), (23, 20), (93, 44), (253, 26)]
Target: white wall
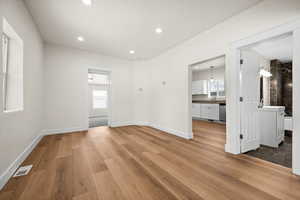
[(141, 93), (18, 130), (66, 88), (218, 73), (169, 104)]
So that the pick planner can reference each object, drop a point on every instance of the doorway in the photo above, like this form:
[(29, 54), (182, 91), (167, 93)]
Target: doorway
[(98, 98), (208, 100), (266, 104)]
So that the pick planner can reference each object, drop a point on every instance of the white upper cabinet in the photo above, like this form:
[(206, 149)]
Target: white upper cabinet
[(215, 88), (199, 87), (221, 88)]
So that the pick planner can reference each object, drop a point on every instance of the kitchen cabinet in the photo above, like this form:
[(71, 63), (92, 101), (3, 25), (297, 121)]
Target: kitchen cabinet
[(209, 111), (199, 87), (271, 125), (196, 110), (216, 88), (205, 111)]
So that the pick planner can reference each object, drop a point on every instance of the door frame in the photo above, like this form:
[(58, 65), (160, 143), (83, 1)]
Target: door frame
[(233, 89), (190, 95), (109, 73)]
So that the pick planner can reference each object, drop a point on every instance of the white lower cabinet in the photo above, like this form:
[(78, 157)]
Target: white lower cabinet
[(206, 111), (196, 110), (209, 111), (271, 125)]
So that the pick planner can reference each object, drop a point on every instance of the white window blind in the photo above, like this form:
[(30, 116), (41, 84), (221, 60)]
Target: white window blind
[(99, 99)]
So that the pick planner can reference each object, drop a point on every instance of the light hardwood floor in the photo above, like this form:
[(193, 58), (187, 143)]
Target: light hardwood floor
[(142, 163)]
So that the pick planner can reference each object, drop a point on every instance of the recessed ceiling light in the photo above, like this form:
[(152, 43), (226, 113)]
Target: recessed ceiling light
[(80, 38), (132, 52), (87, 2), (158, 30)]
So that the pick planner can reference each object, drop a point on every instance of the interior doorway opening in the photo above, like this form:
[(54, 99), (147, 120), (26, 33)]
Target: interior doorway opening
[(98, 98), (209, 101), (266, 88)]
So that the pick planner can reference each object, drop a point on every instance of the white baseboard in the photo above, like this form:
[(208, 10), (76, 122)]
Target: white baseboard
[(228, 149), (64, 130), (296, 172), (119, 124), (15, 165), (181, 134), (167, 130), (140, 123)]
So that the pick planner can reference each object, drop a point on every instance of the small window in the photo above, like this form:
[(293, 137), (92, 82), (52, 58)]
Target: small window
[(12, 68), (99, 99)]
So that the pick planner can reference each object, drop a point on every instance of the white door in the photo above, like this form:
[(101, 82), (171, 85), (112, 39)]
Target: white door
[(98, 101), (98, 96), (250, 100)]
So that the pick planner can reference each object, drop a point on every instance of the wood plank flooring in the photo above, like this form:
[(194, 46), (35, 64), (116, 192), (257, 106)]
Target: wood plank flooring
[(142, 163)]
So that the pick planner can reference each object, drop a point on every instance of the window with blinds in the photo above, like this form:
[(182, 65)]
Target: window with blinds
[(12, 69)]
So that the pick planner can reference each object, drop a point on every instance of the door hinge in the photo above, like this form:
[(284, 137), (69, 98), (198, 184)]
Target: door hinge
[(241, 136), (241, 61), (241, 99)]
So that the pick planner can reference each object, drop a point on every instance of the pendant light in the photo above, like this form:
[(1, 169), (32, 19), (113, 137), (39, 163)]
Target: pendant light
[(212, 73)]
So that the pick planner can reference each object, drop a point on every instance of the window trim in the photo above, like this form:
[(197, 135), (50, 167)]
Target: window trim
[(5, 69), (9, 32)]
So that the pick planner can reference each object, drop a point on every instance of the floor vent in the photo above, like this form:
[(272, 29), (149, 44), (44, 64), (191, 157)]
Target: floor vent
[(22, 171)]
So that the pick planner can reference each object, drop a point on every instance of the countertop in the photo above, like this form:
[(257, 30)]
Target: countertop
[(272, 108), (210, 101)]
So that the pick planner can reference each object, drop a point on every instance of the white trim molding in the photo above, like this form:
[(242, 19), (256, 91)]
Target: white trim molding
[(119, 124), (161, 128), (181, 134), (140, 123), (15, 165), (296, 104), (63, 130), (296, 171)]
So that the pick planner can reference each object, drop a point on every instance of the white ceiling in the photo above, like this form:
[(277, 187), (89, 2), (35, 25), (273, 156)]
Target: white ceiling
[(216, 63), (114, 27), (280, 48)]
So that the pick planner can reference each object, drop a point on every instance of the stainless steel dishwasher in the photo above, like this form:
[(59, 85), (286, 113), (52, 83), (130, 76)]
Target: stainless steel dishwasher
[(222, 113)]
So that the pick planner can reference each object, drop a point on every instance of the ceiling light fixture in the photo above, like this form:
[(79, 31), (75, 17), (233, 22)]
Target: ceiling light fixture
[(80, 39), (212, 73), (132, 52), (87, 2), (158, 30)]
